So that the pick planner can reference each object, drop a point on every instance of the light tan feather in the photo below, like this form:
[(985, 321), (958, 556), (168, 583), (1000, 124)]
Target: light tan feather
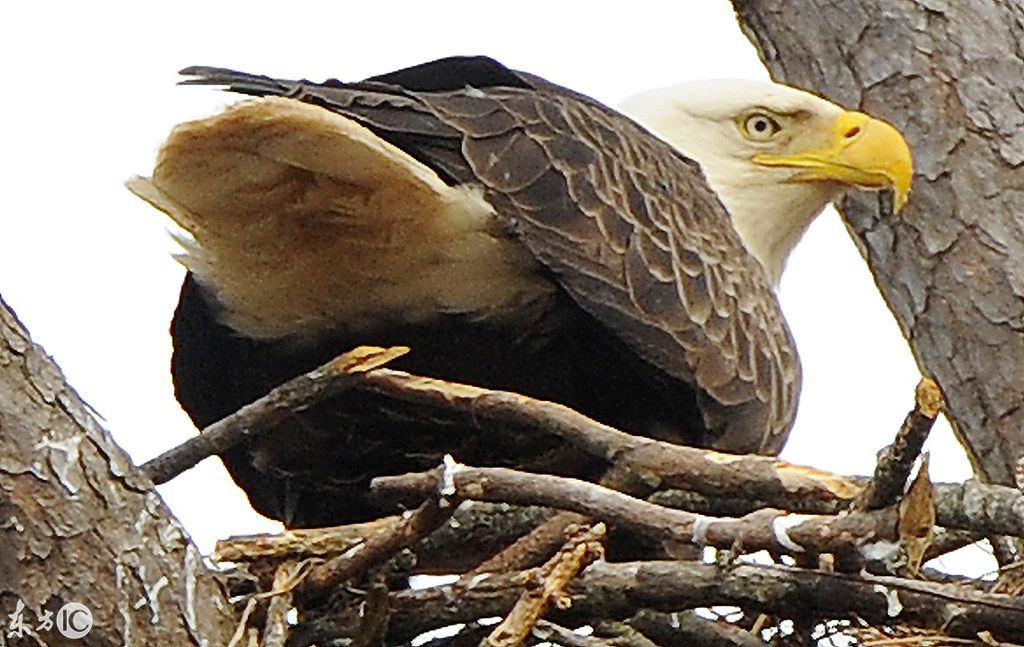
[(302, 221)]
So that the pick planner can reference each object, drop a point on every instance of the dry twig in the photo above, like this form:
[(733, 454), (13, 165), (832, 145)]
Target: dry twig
[(547, 585), (254, 419), (548, 631), (542, 541), (532, 548), (478, 529), (897, 460), (243, 629), (917, 519), (376, 549), (275, 633), (299, 543), (686, 628)]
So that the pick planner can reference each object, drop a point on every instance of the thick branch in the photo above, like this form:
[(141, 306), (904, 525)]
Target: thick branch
[(970, 506), (768, 481), (767, 529), (476, 532), (616, 591), (686, 628), (657, 462), (257, 418)]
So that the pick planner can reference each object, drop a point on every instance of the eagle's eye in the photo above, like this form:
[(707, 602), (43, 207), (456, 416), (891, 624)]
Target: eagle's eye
[(760, 126)]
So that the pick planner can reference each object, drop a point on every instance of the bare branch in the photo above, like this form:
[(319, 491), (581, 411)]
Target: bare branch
[(254, 419), (299, 543), (546, 586), (685, 628), (764, 529), (533, 547), (550, 632), (769, 481), (971, 506), (897, 460), (660, 463), (377, 548), (608, 590), (764, 480)]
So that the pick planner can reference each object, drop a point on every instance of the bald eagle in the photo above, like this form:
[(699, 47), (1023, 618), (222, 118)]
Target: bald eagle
[(516, 235)]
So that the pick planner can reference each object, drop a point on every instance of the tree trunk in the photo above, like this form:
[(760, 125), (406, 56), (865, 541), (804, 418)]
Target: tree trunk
[(81, 524), (950, 75)]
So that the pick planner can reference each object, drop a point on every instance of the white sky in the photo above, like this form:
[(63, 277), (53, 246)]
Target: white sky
[(90, 93)]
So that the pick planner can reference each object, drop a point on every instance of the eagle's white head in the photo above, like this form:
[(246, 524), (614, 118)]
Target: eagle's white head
[(775, 155)]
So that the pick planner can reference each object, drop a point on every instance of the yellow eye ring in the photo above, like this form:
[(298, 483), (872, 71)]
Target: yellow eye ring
[(761, 127)]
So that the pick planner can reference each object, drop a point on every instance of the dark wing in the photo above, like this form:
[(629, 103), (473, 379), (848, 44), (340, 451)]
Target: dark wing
[(633, 232), (626, 224)]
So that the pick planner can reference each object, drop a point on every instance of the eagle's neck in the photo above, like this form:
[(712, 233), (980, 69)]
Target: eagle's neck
[(769, 213)]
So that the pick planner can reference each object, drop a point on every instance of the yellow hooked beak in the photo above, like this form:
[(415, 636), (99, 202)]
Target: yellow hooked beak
[(862, 151)]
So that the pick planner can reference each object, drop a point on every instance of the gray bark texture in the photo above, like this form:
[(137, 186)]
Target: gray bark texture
[(79, 523), (950, 75)]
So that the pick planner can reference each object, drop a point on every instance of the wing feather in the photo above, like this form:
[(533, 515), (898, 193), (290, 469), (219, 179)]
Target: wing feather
[(302, 221), (672, 266)]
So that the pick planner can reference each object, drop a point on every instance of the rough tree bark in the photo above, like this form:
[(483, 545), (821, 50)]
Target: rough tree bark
[(79, 523), (950, 75)]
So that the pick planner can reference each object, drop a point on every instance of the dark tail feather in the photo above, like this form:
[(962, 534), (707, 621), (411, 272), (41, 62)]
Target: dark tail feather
[(443, 75), (241, 82)]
